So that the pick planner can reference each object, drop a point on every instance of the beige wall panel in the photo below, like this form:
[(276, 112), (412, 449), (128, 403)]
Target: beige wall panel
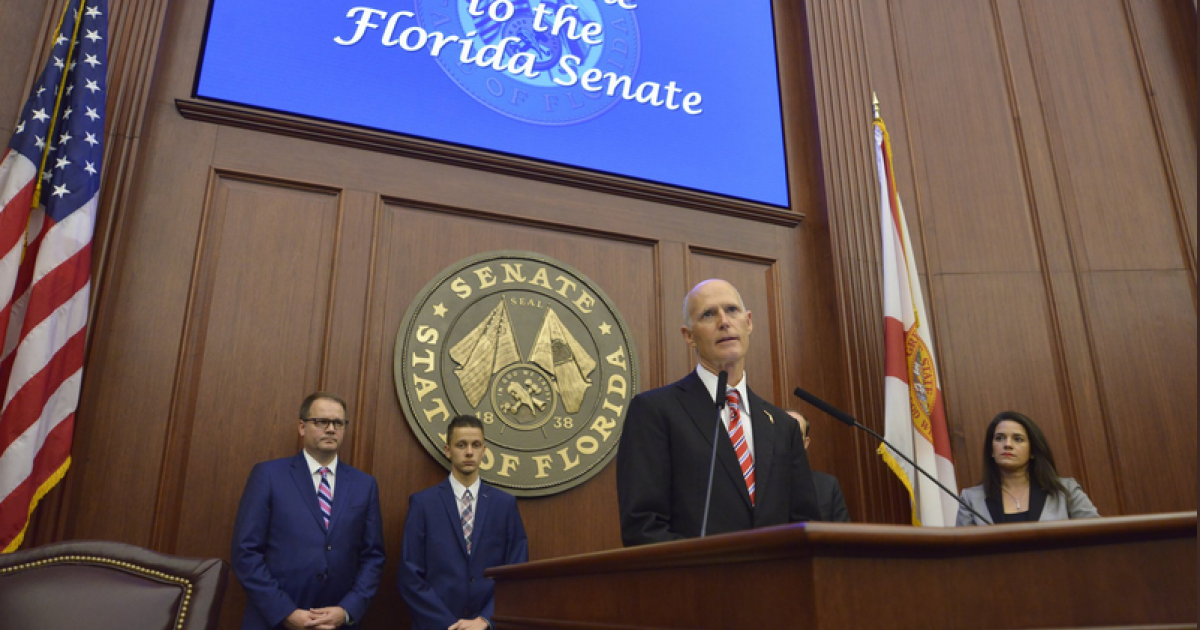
[(1147, 365)]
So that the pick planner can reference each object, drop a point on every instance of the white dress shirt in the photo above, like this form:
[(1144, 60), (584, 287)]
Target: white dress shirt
[(314, 471), (710, 381), (459, 489)]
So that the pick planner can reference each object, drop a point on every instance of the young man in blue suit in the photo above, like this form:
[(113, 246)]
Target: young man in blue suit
[(308, 542), (454, 531)]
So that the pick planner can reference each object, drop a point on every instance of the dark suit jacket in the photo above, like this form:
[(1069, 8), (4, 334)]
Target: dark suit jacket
[(286, 560), (662, 468), (438, 580), (830, 501)]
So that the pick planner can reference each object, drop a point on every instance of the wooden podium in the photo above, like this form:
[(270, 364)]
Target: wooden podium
[(1135, 571)]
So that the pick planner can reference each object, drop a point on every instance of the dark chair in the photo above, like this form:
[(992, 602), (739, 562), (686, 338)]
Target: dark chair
[(106, 585)]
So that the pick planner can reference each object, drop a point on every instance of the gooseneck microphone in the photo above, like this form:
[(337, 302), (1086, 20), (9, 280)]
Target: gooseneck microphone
[(847, 419), (722, 383)]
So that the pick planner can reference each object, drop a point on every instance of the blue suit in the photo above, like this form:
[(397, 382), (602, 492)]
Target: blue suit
[(438, 580), (284, 557)]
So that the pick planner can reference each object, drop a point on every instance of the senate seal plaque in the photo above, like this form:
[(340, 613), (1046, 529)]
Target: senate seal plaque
[(532, 348)]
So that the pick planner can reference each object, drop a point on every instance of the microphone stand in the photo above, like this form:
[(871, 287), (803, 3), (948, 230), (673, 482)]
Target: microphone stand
[(722, 381), (847, 419)]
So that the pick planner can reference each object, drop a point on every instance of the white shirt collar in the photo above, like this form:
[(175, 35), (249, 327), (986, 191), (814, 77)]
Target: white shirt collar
[(314, 466), (458, 488), (710, 381)]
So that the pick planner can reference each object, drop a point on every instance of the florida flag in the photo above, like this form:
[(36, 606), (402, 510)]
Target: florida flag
[(915, 411), (49, 190)]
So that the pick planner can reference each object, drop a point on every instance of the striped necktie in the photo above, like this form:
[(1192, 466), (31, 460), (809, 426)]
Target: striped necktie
[(325, 496), (468, 518), (737, 435)]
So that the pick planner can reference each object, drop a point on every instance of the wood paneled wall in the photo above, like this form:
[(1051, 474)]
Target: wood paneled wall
[(1046, 155), (1045, 152)]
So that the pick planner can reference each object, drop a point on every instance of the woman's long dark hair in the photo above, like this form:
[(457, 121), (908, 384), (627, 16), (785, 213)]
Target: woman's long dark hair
[(1041, 459)]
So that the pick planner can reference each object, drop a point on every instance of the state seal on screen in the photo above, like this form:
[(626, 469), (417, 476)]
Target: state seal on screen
[(558, 40), (536, 351)]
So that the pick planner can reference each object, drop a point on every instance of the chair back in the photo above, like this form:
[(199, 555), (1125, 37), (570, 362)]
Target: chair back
[(107, 585)]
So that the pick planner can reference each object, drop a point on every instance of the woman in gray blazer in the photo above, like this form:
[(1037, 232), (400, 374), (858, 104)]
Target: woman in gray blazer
[(1020, 482)]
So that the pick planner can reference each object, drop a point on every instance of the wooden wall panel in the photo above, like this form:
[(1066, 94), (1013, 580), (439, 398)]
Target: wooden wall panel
[(143, 326), (255, 342), (20, 44), (969, 213), (1045, 153), (987, 313), (1021, 130), (1106, 128), (756, 280), (621, 268), (1055, 238), (838, 39), (254, 346), (1170, 84), (1147, 366)]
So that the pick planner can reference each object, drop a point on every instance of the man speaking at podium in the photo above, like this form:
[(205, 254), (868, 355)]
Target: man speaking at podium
[(761, 476)]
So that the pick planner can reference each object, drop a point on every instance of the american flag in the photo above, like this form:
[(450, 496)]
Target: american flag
[(45, 262)]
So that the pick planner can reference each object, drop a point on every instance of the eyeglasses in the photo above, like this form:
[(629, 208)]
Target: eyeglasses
[(324, 423)]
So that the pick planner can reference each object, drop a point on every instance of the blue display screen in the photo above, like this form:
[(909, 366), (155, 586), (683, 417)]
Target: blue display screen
[(682, 92)]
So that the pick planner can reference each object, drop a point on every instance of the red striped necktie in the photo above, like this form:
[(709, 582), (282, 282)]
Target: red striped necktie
[(737, 435), (325, 495)]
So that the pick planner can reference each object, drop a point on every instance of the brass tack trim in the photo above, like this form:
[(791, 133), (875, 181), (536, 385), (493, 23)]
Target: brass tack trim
[(120, 564)]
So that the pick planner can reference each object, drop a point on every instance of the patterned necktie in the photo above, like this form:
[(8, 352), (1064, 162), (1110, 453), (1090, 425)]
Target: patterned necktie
[(737, 435), (325, 496), (468, 519)]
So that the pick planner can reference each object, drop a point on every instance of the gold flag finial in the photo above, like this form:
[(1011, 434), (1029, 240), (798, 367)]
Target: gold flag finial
[(875, 104)]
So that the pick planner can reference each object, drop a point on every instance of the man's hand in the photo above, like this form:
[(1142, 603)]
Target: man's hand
[(299, 620), (478, 623), (328, 618)]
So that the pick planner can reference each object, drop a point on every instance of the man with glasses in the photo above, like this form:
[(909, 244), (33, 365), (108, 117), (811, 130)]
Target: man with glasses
[(308, 542)]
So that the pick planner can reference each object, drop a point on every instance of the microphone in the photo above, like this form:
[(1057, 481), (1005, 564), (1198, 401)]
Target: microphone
[(837, 414), (722, 383), (847, 419)]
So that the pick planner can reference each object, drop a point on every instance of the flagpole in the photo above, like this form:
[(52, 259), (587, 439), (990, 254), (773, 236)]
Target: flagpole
[(62, 84)]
